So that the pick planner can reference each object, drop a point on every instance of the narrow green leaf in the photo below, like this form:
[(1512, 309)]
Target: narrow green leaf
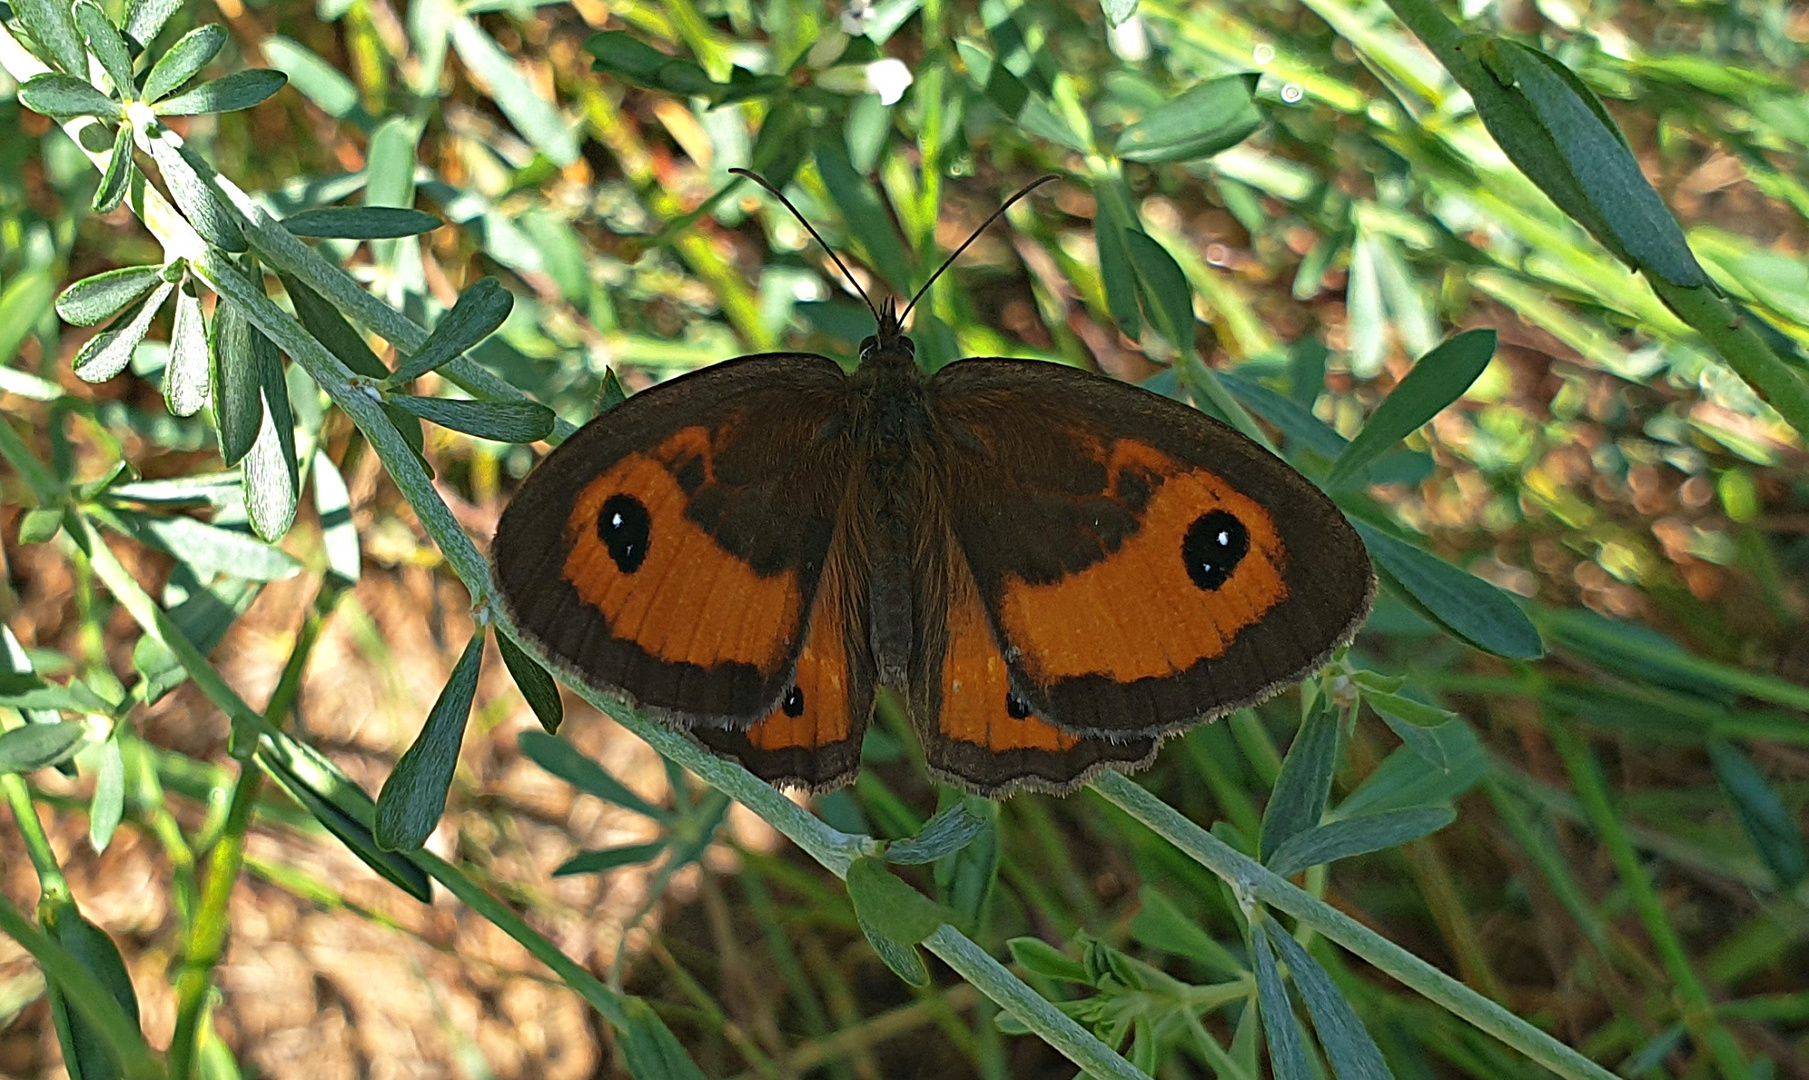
[(22, 304), (535, 117), (1404, 780), (950, 830), (64, 97), (342, 807), (185, 380), (315, 79), (612, 393), (116, 181), (1297, 801), (194, 196), (884, 902), (478, 312), (272, 478), (606, 859), (107, 353), (786, 138), (1353, 1054), (1357, 836), (500, 421), (624, 54), (40, 525), (145, 19), (649, 1047), (338, 535), (1470, 608), (1162, 926), (99, 297), (862, 215), (72, 697), (559, 758), (30, 747), (106, 44), (1438, 379), (1201, 121), (1287, 1047), (414, 796), (210, 549), (1039, 957), (1770, 825), (1167, 297), (237, 390), (965, 879), (535, 684), (192, 52), (51, 24), (361, 222), (86, 1054), (108, 805), (1416, 723), (1557, 132), (203, 614), (240, 90), (1111, 221), (390, 167)]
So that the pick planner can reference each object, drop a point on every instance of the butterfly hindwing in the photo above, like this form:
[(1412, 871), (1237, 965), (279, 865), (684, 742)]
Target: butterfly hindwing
[(812, 738), (1143, 567), (977, 730), (670, 551)]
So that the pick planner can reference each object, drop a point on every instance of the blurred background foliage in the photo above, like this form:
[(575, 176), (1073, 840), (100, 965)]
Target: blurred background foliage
[(1627, 865)]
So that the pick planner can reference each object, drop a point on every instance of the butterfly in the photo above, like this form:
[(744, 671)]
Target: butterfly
[(1054, 570)]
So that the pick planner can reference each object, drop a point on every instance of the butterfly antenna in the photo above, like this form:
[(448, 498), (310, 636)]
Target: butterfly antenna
[(780, 195), (975, 235)]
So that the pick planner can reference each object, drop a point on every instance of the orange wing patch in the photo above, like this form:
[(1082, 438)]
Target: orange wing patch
[(1206, 563), (815, 710), (978, 705), (664, 583)]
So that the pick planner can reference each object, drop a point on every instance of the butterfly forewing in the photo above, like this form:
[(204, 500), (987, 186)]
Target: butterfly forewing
[(669, 552), (1143, 566)]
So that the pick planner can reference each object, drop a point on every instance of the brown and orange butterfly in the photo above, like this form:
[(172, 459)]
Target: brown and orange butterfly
[(1053, 569)]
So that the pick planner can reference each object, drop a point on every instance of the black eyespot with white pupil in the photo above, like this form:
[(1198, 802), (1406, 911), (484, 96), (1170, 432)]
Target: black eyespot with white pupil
[(1016, 707), (1215, 543), (625, 529), (793, 705)]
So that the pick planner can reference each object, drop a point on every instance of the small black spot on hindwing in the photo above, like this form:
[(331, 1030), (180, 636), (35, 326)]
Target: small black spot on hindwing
[(1016, 707), (1215, 543), (626, 530), (793, 703)]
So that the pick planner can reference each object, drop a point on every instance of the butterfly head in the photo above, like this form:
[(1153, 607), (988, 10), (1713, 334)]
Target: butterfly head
[(889, 345)]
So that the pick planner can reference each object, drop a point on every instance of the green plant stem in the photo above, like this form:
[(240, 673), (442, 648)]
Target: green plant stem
[(52, 886), (1250, 878), (85, 995), (1698, 1014)]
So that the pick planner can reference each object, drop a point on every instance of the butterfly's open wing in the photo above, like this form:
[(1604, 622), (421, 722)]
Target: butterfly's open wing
[(1144, 566), (670, 551)]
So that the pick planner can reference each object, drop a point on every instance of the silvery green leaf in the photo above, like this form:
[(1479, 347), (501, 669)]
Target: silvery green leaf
[(64, 97), (189, 55), (240, 90), (99, 297), (108, 352)]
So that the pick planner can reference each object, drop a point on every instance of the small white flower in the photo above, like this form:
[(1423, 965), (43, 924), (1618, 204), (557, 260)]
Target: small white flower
[(888, 78)]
